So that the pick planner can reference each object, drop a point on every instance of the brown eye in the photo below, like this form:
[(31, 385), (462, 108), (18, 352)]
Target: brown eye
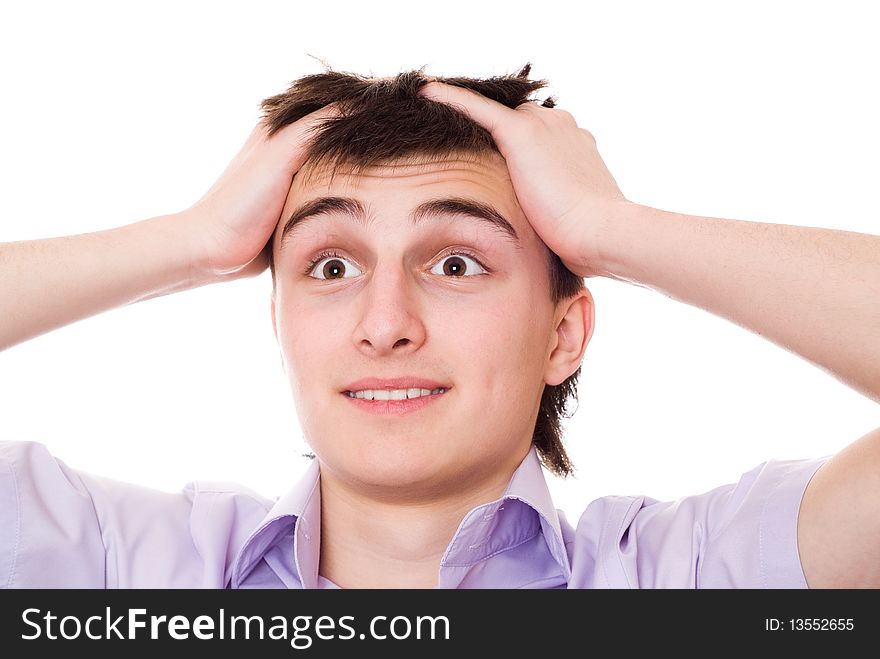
[(454, 266), (459, 265), (334, 267)]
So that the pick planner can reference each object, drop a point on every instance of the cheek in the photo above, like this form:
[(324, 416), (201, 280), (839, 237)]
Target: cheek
[(309, 339), (519, 325), (501, 344)]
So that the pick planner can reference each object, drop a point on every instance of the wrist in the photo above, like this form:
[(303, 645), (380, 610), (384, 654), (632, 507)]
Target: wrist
[(620, 231), (647, 242), (183, 259)]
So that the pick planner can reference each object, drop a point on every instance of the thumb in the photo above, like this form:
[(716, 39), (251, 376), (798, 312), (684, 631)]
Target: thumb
[(287, 143), (491, 115)]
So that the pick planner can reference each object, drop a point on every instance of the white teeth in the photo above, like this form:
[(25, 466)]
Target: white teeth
[(394, 394)]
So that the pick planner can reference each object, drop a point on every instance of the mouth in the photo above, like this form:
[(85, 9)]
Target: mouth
[(394, 394), (394, 402)]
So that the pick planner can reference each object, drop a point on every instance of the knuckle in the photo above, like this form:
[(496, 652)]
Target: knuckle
[(588, 134)]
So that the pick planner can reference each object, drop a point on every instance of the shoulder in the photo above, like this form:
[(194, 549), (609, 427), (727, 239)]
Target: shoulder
[(29, 466), (739, 535), (110, 533)]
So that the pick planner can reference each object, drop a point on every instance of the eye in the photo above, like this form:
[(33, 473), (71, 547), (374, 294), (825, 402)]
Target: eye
[(329, 265), (459, 264)]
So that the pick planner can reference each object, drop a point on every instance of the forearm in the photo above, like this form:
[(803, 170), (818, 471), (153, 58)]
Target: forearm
[(812, 291), (49, 283)]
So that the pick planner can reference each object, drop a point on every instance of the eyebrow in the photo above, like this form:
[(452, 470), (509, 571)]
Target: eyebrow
[(444, 207)]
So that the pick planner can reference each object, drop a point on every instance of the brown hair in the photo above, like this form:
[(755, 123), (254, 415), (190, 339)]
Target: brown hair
[(385, 121)]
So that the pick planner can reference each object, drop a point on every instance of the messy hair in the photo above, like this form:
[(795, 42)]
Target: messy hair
[(385, 121)]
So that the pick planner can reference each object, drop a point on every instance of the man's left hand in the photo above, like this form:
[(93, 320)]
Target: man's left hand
[(560, 180)]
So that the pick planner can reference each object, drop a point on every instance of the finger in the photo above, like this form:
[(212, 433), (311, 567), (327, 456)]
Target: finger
[(289, 143), (294, 132), (256, 137), (491, 115)]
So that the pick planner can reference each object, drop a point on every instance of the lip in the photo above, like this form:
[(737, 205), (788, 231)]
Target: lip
[(403, 382), (394, 407)]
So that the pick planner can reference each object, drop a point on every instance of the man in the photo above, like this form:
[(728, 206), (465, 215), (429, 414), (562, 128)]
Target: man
[(427, 251)]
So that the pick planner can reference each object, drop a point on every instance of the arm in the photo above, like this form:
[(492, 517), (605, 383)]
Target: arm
[(49, 283), (815, 292), (46, 284)]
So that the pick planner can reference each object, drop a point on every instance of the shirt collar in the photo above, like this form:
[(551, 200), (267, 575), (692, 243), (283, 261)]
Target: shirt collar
[(300, 508), (493, 527), (485, 530)]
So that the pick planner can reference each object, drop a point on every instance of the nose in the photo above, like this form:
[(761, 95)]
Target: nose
[(390, 320)]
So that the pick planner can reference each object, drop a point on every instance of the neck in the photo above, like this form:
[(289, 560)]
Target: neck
[(372, 542)]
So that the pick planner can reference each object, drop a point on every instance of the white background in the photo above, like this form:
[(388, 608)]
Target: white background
[(116, 112)]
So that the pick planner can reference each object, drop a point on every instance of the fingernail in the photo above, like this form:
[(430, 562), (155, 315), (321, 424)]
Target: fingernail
[(429, 89)]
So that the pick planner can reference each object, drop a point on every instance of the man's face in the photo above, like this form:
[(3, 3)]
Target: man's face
[(448, 298)]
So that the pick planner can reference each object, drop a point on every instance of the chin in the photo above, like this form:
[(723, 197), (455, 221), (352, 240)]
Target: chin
[(387, 467)]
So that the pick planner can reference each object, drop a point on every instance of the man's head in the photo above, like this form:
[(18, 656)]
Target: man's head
[(405, 253)]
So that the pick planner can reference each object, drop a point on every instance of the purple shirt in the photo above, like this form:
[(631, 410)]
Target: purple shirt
[(63, 528)]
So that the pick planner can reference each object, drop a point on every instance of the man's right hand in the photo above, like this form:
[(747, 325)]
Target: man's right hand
[(232, 223), (50, 282)]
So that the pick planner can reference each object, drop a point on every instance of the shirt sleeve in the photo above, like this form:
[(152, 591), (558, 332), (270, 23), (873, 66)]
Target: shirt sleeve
[(741, 535), (755, 543), (49, 532), (65, 528)]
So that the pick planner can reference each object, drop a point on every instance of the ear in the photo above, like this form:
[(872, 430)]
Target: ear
[(574, 322)]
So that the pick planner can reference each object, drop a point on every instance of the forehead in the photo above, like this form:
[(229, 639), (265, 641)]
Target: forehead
[(488, 170), (396, 188)]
